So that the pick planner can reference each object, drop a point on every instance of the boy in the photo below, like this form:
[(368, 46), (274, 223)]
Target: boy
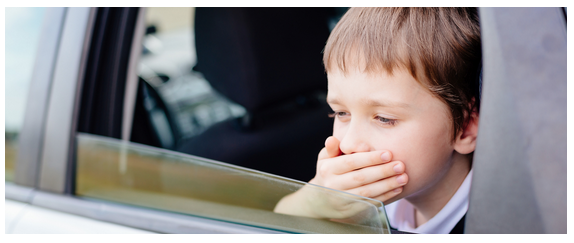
[(404, 88)]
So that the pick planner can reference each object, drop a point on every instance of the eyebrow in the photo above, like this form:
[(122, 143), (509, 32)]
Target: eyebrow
[(373, 102)]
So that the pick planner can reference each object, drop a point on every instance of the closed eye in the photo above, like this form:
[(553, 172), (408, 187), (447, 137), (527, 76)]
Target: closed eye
[(338, 114), (386, 121)]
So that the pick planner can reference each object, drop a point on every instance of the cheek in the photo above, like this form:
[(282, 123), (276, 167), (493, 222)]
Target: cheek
[(426, 152), (339, 130), (399, 142)]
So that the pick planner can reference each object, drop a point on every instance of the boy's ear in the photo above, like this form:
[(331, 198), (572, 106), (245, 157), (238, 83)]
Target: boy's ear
[(465, 142)]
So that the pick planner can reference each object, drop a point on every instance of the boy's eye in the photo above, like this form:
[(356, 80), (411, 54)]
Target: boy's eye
[(386, 121), (338, 114)]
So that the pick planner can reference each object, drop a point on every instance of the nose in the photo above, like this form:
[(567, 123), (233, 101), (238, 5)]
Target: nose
[(355, 139)]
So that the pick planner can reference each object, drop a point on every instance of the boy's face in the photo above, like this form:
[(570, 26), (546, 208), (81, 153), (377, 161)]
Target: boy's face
[(395, 113)]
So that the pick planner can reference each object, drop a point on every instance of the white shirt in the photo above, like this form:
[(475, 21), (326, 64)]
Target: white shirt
[(401, 213)]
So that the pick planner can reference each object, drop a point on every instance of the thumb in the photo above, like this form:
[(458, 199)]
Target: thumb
[(332, 147)]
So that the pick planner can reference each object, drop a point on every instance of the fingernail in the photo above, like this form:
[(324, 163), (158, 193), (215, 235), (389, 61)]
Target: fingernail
[(398, 168), (398, 190), (402, 180), (386, 156)]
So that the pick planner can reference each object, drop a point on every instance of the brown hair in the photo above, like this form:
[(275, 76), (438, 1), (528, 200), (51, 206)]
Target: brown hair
[(440, 47)]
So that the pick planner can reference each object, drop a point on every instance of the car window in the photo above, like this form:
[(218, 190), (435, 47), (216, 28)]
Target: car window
[(166, 65), (120, 171), (23, 27)]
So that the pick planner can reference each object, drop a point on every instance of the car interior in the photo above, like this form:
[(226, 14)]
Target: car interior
[(176, 120), (269, 62)]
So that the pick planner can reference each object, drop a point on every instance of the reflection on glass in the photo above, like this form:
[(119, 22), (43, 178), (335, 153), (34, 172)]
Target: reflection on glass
[(134, 174), (167, 63), (22, 34), (11, 150)]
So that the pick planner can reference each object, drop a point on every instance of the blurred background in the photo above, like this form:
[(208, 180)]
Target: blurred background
[(23, 26)]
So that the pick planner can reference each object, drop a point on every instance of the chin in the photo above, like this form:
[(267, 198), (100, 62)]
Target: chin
[(395, 198), (392, 200)]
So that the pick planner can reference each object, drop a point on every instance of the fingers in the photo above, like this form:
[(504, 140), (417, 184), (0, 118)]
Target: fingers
[(367, 175), (322, 155), (382, 189), (388, 195), (347, 163)]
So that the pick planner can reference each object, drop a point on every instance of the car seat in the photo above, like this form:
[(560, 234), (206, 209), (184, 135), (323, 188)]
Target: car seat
[(269, 60)]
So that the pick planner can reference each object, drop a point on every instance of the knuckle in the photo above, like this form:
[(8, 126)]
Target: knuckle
[(329, 184), (319, 165), (388, 170), (349, 162), (374, 159), (323, 170), (359, 176), (364, 192)]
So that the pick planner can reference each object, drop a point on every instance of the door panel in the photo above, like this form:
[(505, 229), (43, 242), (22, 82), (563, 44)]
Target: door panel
[(29, 219)]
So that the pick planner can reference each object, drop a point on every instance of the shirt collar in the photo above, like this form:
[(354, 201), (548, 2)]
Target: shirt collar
[(401, 213)]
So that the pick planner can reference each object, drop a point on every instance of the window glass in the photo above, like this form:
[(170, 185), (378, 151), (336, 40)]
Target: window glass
[(22, 34), (167, 65), (140, 175)]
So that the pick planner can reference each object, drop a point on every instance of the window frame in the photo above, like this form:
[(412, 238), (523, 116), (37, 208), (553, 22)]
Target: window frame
[(27, 164), (131, 216), (62, 108)]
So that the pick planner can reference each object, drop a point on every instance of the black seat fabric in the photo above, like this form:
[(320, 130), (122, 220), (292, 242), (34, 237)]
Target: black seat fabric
[(269, 60)]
